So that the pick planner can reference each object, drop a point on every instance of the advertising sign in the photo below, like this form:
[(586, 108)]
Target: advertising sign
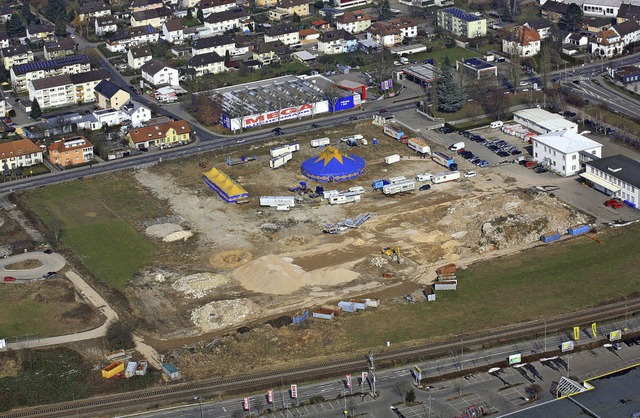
[(566, 346), (576, 333), (348, 377), (245, 403), (515, 359), (615, 335), (283, 114), (364, 377), (270, 396), (226, 121), (344, 103), (418, 372), (294, 391), (593, 330)]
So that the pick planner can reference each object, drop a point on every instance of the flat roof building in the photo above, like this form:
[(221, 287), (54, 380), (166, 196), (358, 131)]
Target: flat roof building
[(477, 68), (617, 176), (542, 121), (565, 152)]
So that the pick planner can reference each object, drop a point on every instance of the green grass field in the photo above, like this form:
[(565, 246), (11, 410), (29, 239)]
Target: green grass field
[(544, 281), (95, 218)]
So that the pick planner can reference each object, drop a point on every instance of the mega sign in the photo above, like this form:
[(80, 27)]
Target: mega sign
[(283, 114)]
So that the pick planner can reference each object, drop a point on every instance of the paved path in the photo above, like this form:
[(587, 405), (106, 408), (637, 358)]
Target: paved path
[(50, 262), (90, 296)]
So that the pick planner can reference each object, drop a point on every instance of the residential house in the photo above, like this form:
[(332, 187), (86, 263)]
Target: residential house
[(269, 52), (209, 63), (564, 151), (5, 13), (337, 42), (157, 74), (616, 176), (135, 114), (4, 40), (153, 17), (62, 48), (309, 36), (110, 95), (42, 32), (141, 5), (320, 25), (346, 4), (461, 23), (266, 3), (93, 9), (597, 24), (627, 74), (132, 36), (137, 56), (283, 32), (70, 151), (66, 89), (105, 24), (286, 8), (15, 55), (228, 20), (173, 31), (392, 32), (20, 153), (629, 31), (524, 41), (3, 105), (219, 44), (354, 22), (628, 11), (215, 6), (162, 135), (543, 26), (607, 44), (576, 39), (23, 73), (553, 10)]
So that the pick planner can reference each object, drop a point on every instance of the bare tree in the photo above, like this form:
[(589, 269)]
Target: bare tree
[(382, 63), (515, 71), (545, 63)]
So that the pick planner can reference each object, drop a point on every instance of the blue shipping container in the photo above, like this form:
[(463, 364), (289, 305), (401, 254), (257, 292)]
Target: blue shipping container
[(550, 237), (579, 229)]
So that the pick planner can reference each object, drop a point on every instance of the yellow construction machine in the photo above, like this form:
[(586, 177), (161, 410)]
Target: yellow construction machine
[(393, 252)]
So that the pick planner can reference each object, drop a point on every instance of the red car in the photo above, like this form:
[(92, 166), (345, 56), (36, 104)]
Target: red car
[(530, 164), (9, 279), (613, 203)]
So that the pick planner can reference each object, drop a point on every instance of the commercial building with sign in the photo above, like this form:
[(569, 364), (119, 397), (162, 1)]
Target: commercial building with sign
[(617, 176), (279, 99)]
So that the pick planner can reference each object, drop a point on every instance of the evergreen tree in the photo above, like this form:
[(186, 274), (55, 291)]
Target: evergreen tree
[(27, 16), (451, 95), (36, 112), (200, 15), (60, 28), (15, 27), (189, 13), (572, 21), (384, 10), (56, 10)]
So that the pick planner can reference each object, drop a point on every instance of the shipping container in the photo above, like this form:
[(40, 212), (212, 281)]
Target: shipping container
[(115, 354), (361, 304), (403, 186), (446, 285), (394, 132), (323, 314), (578, 229), (430, 293), (284, 149), (550, 237), (373, 303), (337, 311), (275, 201), (280, 160), (391, 159), (444, 177), (171, 371), (141, 368), (347, 306), (112, 369), (320, 142), (419, 146), (130, 371), (447, 270), (300, 318), (444, 160)]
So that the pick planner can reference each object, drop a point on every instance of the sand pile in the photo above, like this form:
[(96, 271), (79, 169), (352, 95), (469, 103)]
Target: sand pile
[(278, 276), (177, 236), (224, 313), (162, 230), (200, 284)]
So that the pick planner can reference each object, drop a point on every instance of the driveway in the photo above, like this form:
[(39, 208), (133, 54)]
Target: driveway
[(50, 262)]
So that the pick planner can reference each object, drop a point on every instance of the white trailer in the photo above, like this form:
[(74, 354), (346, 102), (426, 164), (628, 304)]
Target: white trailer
[(392, 159), (357, 189), (424, 177), (444, 177), (397, 179), (320, 142), (275, 201), (403, 186), (284, 149), (344, 198), (280, 160), (329, 193), (419, 146)]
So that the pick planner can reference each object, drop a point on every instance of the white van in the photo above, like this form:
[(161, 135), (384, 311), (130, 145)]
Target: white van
[(457, 146), (404, 60), (497, 124)]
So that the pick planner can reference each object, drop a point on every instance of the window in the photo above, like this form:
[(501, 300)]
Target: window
[(574, 156), (573, 168)]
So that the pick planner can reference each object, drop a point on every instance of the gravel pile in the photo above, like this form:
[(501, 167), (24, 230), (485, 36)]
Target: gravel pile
[(224, 313), (200, 284), (162, 230)]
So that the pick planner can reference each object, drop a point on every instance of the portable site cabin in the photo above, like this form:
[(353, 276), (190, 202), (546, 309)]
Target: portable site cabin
[(171, 371), (347, 306), (130, 371)]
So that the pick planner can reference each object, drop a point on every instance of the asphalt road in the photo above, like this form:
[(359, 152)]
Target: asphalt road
[(601, 93), (50, 262)]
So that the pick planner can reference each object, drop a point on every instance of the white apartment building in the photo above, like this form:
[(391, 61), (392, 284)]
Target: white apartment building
[(564, 152)]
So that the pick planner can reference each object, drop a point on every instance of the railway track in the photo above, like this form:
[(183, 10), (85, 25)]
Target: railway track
[(187, 391)]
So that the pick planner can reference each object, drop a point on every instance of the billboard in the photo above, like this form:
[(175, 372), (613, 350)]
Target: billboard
[(576, 333), (294, 391), (348, 379), (566, 346), (270, 396), (418, 372), (515, 359), (343, 103), (287, 113), (226, 121), (593, 330), (615, 335)]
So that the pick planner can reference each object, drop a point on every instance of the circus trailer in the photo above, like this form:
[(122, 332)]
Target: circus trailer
[(276, 201), (280, 160), (284, 149)]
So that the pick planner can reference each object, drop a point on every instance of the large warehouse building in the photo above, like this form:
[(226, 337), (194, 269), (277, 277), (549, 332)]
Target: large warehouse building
[(543, 122), (278, 99)]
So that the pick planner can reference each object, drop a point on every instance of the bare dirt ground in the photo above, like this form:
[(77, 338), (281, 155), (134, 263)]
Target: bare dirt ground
[(252, 263)]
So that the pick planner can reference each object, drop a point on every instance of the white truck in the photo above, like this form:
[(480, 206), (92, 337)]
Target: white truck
[(280, 160), (403, 186), (320, 142), (446, 176), (419, 146), (284, 149), (392, 159)]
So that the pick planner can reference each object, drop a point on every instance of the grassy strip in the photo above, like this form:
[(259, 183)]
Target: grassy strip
[(545, 281)]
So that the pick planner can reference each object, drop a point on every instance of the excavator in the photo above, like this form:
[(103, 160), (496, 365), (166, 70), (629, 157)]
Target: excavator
[(393, 252)]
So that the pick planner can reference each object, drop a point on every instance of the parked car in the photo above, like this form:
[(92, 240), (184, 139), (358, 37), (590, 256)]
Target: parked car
[(617, 346), (530, 164), (483, 163), (613, 203), (425, 187), (315, 126), (9, 279), (49, 274), (470, 174), (48, 251)]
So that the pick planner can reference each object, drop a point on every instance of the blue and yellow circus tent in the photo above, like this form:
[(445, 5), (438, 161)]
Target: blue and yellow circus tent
[(222, 184), (333, 165)]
